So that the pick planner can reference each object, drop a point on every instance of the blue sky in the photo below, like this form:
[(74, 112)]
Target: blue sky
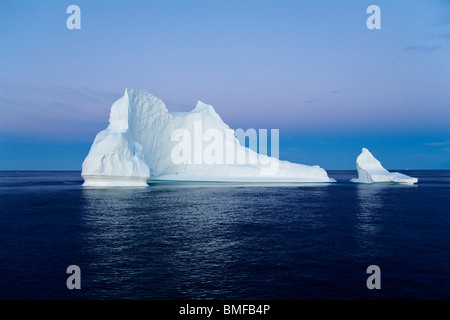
[(309, 68)]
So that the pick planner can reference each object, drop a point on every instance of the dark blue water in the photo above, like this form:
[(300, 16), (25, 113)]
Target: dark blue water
[(224, 241)]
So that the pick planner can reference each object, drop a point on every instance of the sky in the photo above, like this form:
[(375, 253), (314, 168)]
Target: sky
[(310, 68)]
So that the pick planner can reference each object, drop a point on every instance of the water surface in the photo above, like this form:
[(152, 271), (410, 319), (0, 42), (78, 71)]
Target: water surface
[(224, 240)]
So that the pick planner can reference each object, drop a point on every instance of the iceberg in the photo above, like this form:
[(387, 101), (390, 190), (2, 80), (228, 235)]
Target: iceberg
[(145, 142), (370, 170)]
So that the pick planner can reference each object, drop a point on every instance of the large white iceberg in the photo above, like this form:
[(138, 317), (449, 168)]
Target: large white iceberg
[(370, 170), (143, 142)]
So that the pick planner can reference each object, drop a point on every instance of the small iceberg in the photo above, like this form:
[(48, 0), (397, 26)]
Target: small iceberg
[(370, 170)]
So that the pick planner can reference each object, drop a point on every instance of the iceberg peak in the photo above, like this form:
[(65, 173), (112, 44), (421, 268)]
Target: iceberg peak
[(201, 106)]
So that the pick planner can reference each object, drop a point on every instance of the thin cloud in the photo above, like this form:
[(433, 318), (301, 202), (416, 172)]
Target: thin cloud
[(53, 110), (422, 48), (445, 36), (437, 144)]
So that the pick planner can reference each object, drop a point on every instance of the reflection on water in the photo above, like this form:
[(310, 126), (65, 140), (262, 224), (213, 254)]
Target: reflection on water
[(370, 208), (201, 240), (191, 240), (372, 200), (178, 237)]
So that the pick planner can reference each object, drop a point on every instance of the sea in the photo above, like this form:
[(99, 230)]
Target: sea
[(181, 240)]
